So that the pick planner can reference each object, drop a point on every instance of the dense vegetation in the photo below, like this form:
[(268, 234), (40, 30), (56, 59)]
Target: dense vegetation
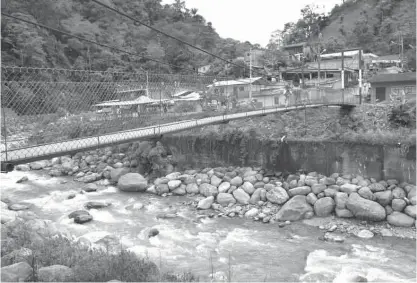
[(371, 25), (26, 45), (111, 262)]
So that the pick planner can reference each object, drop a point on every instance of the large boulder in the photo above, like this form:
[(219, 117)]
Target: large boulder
[(215, 181), (311, 198), (55, 273), (248, 188), (224, 187), (399, 193), (115, 174), (318, 188), (349, 188), (410, 211), (383, 198), (132, 182), (377, 187), (7, 215), (205, 203), (277, 195), (251, 212), (294, 209), (343, 213), (398, 204), (365, 209), (256, 196), (192, 188), (236, 181), (241, 196), (366, 193), (21, 255), (341, 200), (304, 190), (324, 206), (18, 272), (225, 199), (400, 219), (208, 190), (173, 184)]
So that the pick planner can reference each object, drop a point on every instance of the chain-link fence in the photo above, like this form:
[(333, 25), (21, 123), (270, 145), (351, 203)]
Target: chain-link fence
[(52, 111)]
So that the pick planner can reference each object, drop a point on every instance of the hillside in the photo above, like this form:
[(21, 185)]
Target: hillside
[(26, 45), (371, 25)]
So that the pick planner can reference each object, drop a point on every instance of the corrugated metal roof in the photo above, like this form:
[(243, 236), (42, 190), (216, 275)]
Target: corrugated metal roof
[(235, 82), (400, 77)]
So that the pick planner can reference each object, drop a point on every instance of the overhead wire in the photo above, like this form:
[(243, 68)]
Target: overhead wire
[(95, 42)]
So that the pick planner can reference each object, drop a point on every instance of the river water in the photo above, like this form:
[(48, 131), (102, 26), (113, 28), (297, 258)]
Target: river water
[(257, 252)]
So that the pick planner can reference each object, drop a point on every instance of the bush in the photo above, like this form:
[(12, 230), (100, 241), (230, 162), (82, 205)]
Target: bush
[(89, 265)]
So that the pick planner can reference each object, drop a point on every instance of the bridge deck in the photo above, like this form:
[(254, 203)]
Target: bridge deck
[(45, 151)]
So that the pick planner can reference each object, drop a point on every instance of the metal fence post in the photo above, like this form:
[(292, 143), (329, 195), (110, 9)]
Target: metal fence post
[(5, 132)]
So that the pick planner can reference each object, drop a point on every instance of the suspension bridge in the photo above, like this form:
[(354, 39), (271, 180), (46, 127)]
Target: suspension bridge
[(50, 112)]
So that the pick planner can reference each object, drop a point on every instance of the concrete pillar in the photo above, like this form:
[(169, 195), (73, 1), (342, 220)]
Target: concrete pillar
[(311, 76)]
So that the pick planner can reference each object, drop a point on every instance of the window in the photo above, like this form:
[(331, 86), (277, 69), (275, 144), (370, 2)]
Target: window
[(276, 100), (222, 91), (241, 88), (216, 91)]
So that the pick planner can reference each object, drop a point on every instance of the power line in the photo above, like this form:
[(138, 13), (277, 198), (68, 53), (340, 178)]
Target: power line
[(100, 44), (164, 33), (94, 42)]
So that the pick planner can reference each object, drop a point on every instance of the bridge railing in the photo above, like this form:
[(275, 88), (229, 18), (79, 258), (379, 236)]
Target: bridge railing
[(45, 106)]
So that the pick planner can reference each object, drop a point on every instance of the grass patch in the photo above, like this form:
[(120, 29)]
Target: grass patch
[(88, 265)]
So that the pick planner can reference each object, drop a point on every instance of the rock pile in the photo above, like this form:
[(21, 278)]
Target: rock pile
[(253, 193)]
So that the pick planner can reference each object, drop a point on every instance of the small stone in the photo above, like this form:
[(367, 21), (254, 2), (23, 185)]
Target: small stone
[(18, 207), (84, 218), (90, 188), (96, 205), (153, 232), (386, 233), (332, 229), (23, 179), (281, 224), (365, 234), (287, 222)]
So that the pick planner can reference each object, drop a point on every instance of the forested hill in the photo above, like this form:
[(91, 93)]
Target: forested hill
[(369, 24), (26, 45)]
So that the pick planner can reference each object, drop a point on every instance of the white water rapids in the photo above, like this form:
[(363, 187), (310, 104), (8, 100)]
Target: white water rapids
[(258, 252)]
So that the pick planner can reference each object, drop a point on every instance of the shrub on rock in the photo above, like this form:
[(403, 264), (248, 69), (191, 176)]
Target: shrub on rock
[(294, 209), (132, 182), (55, 273), (324, 206), (365, 209)]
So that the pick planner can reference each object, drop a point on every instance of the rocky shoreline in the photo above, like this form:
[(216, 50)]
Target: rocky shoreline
[(254, 193)]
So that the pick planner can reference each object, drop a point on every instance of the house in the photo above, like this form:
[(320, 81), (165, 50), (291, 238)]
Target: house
[(296, 49), (393, 86), (233, 92), (204, 69)]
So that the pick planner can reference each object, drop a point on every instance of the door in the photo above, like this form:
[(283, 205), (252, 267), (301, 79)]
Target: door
[(380, 94)]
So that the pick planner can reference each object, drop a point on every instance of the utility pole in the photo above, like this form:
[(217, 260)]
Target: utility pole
[(147, 84), (342, 74), (318, 62), (360, 76), (302, 71), (402, 50), (250, 74)]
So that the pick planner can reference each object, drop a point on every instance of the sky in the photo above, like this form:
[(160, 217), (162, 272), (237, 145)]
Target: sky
[(250, 20)]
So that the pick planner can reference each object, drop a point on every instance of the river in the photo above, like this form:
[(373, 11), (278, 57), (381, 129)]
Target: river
[(258, 252)]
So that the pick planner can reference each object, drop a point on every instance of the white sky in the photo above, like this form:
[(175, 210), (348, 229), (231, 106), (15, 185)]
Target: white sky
[(249, 20)]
